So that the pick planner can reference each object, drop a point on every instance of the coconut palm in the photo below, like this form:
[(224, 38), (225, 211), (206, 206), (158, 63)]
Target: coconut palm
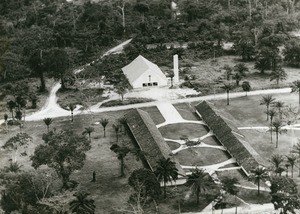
[(276, 126), (166, 171), (199, 181), (277, 160), (279, 105), (11, 106), (267, 100), (121, 153), (296, 149), (229, 185), (257, 175), (104, 123), (296, 88), (82, 204), (117, 129), (88, 131), (123, 122), (71, 107), (227, 87), (48, 121), (291, 159)]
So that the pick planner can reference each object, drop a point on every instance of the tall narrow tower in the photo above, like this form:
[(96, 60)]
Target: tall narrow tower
[(175, 68)]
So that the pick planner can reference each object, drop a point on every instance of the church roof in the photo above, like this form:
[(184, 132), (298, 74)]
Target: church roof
[(139, 66)]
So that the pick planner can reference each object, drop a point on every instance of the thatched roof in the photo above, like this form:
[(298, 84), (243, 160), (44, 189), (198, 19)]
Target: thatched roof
[(244, 154), (148, 138)]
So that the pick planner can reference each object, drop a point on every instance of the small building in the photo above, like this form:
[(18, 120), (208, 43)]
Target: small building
[(143, 73), (147, 138)]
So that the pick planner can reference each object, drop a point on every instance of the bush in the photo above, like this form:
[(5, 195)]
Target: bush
[(126, 102), (13, 123)]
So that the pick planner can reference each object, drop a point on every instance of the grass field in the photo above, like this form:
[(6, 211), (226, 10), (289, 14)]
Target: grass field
[(201, 156), (176, 131), (173, 145), (186, 111), (211, 141)]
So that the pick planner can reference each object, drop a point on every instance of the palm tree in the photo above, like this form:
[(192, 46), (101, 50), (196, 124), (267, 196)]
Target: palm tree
[(271, 113), (257, 175), (104, 122), (88, 131), (296, 149), (117, 129), (121, 154), (48, 122), (82, 205), (246, 86), (5, 119), (277, 160), (123, 122), (227, 87), (199, 181), (11, 106), (229, 185), (278, 74), (71, 107), (228, 72), (276, 126), (166, 171), (267, 101), (279, 105), (291, 159), (296, 88)]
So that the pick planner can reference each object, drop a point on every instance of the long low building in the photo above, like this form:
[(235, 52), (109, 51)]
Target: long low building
[(147, 137), (245, 155)]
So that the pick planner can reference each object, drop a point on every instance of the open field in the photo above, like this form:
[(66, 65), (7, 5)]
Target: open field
[(209, 72)]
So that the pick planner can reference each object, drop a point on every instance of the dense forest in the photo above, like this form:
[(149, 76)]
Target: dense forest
[(43, 38)]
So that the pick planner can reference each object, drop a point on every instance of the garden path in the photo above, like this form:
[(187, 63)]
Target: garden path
[(287, 127), (210, 168)]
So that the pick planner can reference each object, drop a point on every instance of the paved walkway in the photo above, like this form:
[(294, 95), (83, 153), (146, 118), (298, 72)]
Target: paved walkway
[(210, 168), (287, 127), (38, 116)]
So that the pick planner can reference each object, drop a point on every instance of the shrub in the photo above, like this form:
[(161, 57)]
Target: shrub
[(127, 101)]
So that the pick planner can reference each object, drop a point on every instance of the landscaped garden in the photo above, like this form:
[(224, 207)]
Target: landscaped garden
[(201, 156), (178, 130)]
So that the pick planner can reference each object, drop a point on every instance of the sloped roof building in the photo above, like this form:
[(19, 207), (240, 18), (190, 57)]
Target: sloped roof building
[(148, 138), (143, 73), (244, 154)]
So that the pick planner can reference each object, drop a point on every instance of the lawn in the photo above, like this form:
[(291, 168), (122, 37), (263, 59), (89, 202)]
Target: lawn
[(208, 73), (155, 114), (246, 111), (109, 191), (173, 145), (236, 173), (201, 156), (186, 111), (212, 140), (251, 196), (176, 131)]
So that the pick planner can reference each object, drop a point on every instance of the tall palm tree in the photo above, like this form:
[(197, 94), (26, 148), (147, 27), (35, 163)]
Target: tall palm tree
[(48, 121), (71, 107), (229, 185), (82, 204), (296, 88), (279, 105), (117, 129), (88, 131), (11, 106), (276, 126), (296, 149), (291, 159), (121, 153), (277, 160), (272, 113), (123, 122), (267, 100), (166, 171), (257, 175), (227, 87), (104, 122), (199, 181)]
